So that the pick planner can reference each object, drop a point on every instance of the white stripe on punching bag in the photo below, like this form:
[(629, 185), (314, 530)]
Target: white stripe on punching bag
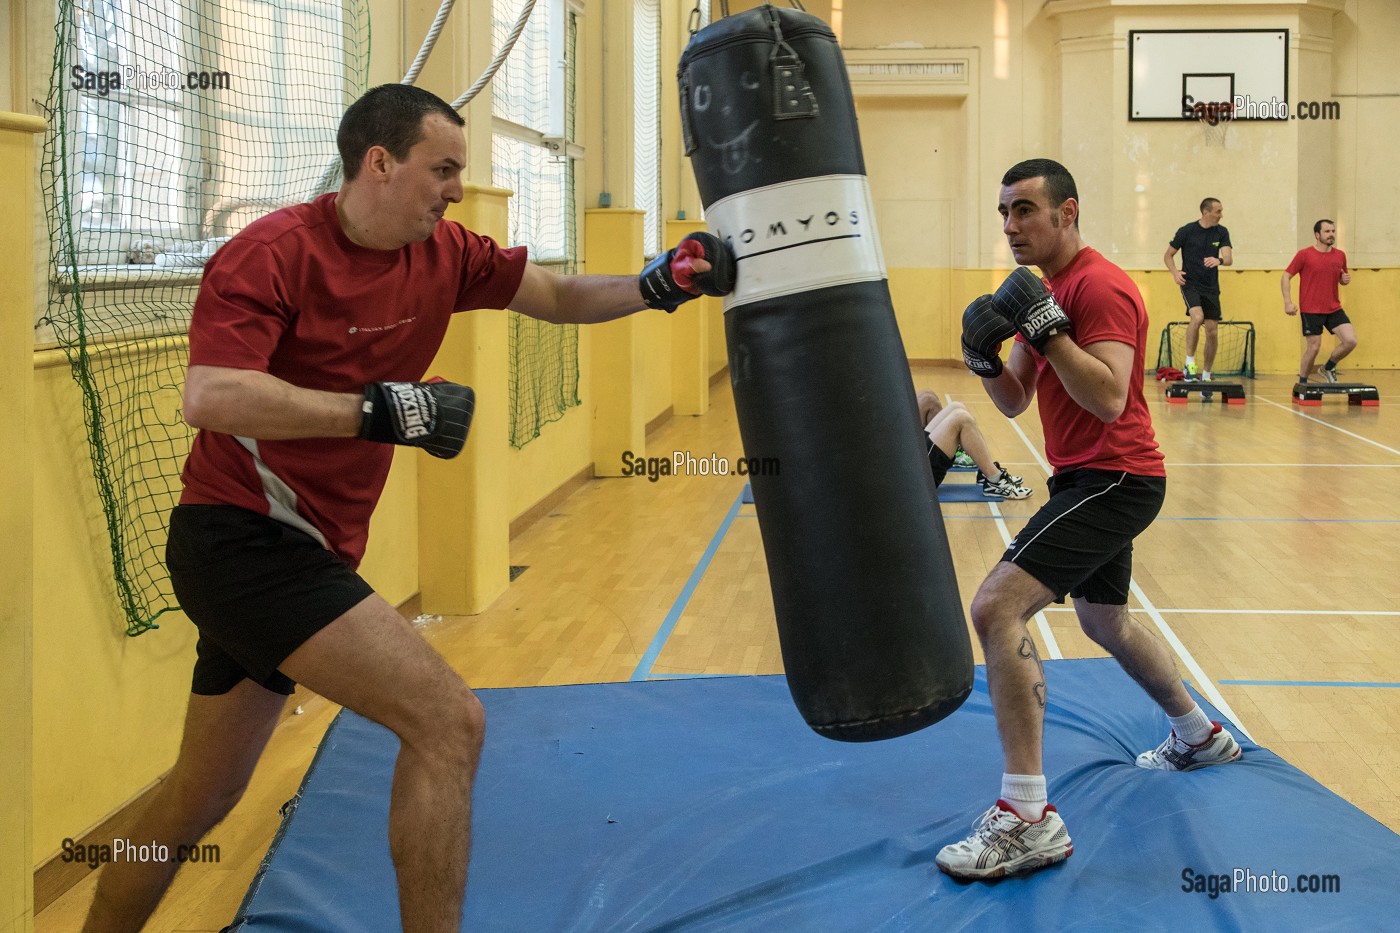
[(798, 236)]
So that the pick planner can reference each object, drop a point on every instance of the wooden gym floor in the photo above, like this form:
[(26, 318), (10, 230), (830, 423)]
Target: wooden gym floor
[(1272, 571)]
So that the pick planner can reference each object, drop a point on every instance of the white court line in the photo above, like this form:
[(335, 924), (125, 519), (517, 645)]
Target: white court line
[(1052, 646), (1258, 612), (1044, 464), (1326, 424), (1203, 683)]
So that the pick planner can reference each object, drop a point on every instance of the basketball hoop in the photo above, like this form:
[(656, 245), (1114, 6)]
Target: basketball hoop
[(1215, 134)]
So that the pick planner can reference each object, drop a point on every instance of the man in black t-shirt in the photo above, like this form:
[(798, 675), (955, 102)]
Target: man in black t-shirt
[(1205, 247)]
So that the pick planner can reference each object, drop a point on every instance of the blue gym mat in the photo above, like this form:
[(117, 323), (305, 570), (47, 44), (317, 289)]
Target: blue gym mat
[(965, 492), (707, 805)]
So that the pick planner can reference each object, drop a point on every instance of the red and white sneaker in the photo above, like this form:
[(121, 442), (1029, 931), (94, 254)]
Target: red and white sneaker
[(1004, 844), (1175, 755)]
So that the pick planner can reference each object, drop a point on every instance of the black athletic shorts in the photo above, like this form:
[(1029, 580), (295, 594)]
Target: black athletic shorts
[(938, 461), (256, 589), (1081, 540), (1208, 302), (1313, 323)]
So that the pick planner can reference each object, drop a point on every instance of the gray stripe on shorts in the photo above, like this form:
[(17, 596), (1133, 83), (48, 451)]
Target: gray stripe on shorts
[(1116, 483)]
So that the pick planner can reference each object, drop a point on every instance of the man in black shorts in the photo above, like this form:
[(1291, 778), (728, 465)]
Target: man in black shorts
[(1079, 352), (1320, 269), (1205, 247), (309, 334), (950, 428)]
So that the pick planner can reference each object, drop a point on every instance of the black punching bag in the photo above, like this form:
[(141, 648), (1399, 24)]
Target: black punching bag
[(871, 626)]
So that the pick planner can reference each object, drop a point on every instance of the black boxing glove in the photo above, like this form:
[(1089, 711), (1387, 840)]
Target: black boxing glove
[(984, 329), (1024, 300), (434, 415), (670, 279)]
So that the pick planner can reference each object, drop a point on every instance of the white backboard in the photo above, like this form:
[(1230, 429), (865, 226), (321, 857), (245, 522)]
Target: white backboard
[(1165, 67)]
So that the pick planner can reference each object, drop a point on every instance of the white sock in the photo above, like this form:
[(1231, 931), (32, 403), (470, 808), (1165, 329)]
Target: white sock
[(1190, 361), (1193, 728), (1026, 794), (1205, 375)]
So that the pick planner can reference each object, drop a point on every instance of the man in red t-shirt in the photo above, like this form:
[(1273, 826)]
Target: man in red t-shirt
[(309, 334), (1080, 352), (1317, 295)]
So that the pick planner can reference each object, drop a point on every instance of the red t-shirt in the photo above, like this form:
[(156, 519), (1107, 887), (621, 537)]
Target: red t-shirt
[(1317, 291), (292, 296), (1102, 304)]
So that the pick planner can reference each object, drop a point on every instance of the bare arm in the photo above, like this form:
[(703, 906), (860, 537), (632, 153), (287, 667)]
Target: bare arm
[(580, 299), (249, 403), (1227, 258), (1286, 284), (1013, 390), (1096, 376), (1169, 259)]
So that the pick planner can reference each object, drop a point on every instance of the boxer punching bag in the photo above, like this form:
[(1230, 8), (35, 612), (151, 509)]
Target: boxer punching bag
[(871, 625)]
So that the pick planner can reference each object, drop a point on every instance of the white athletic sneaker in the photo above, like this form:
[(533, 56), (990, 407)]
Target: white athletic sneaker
[(1331, 375), (1175, 755), (961, 459), (1005, 485), (1004, 844)]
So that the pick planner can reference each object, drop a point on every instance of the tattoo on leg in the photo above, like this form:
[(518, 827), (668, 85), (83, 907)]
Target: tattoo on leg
[(1026, 649)]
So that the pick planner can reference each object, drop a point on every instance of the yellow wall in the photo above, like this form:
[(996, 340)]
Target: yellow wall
[(17, 147)]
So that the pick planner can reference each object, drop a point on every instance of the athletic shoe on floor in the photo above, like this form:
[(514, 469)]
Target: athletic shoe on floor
[(961, 459), (1175, 755), (1004, 485), (1331, 375), (1004, 844), (1189, 373)]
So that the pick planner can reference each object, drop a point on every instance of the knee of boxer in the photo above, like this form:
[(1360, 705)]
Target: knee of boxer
[(929, 405)]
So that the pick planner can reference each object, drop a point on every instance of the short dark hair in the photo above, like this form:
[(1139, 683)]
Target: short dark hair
[(1059, 183), (391, 116), (1205, 205), (1317, 227)]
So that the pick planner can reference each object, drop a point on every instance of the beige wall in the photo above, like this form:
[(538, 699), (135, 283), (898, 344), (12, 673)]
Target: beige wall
[(1050, 79)]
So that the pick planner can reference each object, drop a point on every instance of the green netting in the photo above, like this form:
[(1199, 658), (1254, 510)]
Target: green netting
[(1234, 352), (529, 155), (172, 126)]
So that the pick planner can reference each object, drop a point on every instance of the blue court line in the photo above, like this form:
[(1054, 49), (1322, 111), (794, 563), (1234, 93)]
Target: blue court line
[(1307, 683), (658, 641)]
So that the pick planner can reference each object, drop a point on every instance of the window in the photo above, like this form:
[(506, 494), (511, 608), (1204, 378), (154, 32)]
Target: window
[(532, 148)]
